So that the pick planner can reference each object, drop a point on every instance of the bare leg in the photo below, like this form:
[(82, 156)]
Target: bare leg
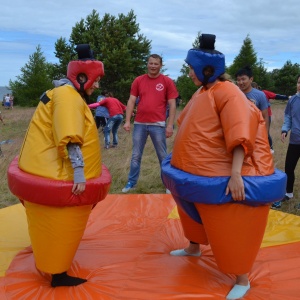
[(240, 288), (242, 279), (193, 249)]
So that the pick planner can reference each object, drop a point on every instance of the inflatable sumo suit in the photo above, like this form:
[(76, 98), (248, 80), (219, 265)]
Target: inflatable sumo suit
[(42, 176), (213, 123)]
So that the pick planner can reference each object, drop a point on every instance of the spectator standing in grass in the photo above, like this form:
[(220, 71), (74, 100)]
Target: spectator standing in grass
[(101, 113), (244, 79), (155, 91), (1, 154), (116, 110), (270, 95), (11, 101), (291, 123), (7, 101)]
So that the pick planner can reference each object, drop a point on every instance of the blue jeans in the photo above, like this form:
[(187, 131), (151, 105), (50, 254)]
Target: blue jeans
[(139, 138), (112, 125)]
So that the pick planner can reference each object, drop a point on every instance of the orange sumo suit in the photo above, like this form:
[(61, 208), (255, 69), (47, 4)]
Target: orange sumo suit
[(43, 178), (212, 124)]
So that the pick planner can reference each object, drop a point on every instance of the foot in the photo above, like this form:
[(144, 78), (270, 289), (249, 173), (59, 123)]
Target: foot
[(286, 198), (238, 291), (276, 205), (63, 279), (129, 186), (183, 252)]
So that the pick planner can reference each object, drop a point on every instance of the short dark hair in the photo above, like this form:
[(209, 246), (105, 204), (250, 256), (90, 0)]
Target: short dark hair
[(157, 57), (244, 71)]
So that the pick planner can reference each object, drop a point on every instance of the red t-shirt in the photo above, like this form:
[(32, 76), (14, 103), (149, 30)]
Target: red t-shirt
[(114, 106), (154, 94), (269, 95)]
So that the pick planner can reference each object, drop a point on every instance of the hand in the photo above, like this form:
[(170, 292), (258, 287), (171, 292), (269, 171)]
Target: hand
[(126, 126), (78, 188), (236, 187), (283, 136), (169, 131)]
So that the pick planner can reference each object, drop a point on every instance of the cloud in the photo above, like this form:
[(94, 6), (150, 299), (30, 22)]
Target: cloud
[(171, 25)]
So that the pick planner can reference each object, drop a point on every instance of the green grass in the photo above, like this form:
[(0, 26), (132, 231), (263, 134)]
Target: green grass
[(118, 160)]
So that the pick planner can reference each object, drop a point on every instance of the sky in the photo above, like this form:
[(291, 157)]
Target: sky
[(171, 25)]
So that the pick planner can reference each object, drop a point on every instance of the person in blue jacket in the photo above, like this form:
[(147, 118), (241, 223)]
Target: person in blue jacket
[(292, 124)]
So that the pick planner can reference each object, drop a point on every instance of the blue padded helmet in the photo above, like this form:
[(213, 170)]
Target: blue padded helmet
[(208, 63)]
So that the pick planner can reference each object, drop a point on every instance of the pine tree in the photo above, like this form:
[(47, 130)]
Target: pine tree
[(285, 78), (246, 57), (34, 80), (116, 41), (185, 85)]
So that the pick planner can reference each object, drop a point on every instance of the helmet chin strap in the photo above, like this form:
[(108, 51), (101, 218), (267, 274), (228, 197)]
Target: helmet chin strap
[(207, 72), (82, 86), (205, 80), (85, 96)]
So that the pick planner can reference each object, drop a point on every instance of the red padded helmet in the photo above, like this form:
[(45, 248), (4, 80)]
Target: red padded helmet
[(85, 65)]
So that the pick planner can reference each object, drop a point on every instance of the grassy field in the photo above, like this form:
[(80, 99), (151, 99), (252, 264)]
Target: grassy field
[(118, 159)]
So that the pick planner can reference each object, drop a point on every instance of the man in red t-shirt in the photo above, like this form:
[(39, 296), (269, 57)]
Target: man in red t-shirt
[(155, 92), (116, 110)]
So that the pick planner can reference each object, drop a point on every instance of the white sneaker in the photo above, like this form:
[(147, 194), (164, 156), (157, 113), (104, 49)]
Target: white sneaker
[(182, 252), (168, 191), (129, 186)]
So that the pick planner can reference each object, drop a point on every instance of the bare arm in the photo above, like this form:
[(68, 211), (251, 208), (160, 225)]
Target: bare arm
[(129, 110), (236, 184), (171, 118)]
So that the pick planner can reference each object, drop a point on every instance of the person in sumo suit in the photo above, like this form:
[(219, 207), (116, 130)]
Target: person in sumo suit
[(221, 140), (61, 153)]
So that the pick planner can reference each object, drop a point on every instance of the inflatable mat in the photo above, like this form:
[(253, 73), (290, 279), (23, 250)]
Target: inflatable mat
[(124, 254)]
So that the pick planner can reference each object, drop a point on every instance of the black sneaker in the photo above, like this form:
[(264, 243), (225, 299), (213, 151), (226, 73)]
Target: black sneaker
[(297, 206), (286, 198), (276, 205)]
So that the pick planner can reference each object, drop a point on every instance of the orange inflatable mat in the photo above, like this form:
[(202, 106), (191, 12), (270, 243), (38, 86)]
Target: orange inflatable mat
[(124, 254)]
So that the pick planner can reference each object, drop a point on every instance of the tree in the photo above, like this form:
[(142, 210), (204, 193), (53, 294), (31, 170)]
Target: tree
[(261, 75), (185, 85), (285, 78), (246, 57), (65, 54), (116, 41), (33, 81)]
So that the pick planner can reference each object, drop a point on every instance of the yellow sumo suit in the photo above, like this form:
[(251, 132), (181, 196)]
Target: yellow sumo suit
[(42, 176)]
